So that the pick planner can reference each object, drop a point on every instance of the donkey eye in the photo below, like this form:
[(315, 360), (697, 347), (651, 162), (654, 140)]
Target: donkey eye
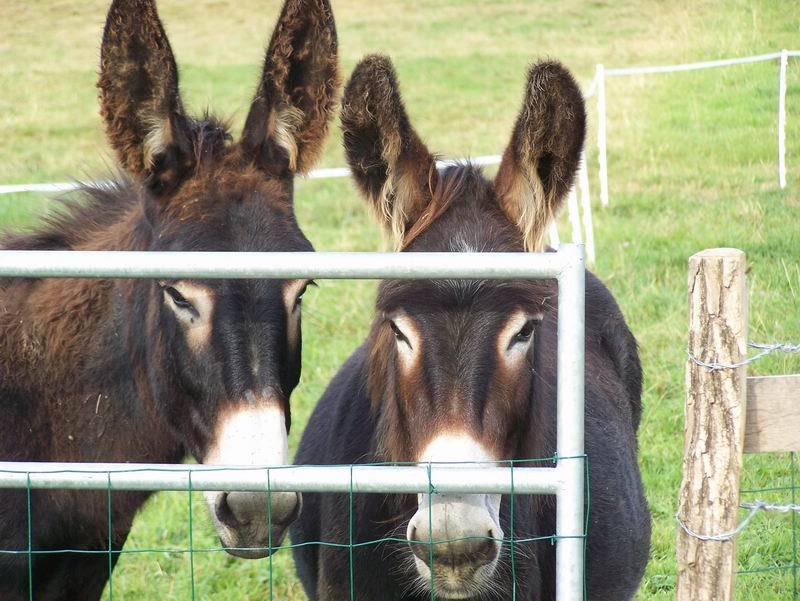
[(177, 298), (398, 334), (299, 300), (525, 333)]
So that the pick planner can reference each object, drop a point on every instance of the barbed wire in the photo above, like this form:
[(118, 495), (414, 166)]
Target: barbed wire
[(764, 348), (754, 508), (771, 507)]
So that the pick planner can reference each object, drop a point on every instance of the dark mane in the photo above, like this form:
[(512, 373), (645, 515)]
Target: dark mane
[(210, 136), (463, 216), (459, 181)]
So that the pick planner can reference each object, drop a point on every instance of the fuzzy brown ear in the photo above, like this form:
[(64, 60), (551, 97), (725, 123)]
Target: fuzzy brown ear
[(539, 164), (390, 164), (298, 91), (139, 100)]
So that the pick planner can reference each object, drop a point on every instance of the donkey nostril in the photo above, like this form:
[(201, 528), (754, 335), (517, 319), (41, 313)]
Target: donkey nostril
[(413, 534), (485, 550), (286, 508), (223, 511)]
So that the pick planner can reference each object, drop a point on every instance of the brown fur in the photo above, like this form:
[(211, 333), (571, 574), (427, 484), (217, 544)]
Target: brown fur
[(389, 162), (98, 370), (409, 407), (397, 174), (292, 108), (139, 98), (474, 358), (539, 164)]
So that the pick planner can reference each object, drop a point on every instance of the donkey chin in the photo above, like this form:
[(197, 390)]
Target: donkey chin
[(456, 542)]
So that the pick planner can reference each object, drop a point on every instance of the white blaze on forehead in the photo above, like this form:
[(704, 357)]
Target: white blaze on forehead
[(250, 436)]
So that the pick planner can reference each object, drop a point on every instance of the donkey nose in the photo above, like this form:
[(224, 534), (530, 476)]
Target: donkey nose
[(238, 509), (473, 551)]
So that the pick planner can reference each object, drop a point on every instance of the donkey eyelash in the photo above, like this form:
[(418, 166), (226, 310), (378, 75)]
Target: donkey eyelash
[(178, 298), (398, 334), (525, 333), (299, 300)]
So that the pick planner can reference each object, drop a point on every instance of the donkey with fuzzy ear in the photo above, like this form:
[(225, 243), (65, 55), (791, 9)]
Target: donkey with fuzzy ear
[(149, 371), (465, 371)]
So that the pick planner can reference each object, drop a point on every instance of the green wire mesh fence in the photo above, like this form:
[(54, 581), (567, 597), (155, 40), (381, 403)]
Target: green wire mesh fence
[(768, 558), (565, 479), (510, 543)]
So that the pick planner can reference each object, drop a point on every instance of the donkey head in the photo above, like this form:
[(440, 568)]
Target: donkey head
[(222, 356), (450, 362)]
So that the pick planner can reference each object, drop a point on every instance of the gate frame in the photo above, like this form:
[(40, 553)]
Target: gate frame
[(565, 480)]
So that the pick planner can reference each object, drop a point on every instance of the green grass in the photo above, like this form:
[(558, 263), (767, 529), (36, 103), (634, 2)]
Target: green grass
[(692, 163)]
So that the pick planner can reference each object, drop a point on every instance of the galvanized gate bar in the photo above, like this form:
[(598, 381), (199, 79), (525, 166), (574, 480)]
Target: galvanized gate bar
[(570, 425), (322, 265), (566, 479), (307, 478)]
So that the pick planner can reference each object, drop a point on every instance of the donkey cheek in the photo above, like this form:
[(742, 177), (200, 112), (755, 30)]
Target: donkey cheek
[(198, 334)]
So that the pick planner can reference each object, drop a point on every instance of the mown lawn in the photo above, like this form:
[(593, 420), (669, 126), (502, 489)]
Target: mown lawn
[(692, 162)]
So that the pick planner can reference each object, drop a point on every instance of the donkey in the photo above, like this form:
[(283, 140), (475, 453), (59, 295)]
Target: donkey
[(465, 371), (150, 371)]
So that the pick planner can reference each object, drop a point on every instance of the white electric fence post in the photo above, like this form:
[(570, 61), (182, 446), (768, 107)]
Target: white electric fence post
[(574, 215), (600, 77), (782, 118), (586, 203)]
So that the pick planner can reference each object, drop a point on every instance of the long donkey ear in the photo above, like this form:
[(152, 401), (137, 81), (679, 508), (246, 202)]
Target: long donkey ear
[(298, 91), (389, 162), (139, 100), (540, 162)]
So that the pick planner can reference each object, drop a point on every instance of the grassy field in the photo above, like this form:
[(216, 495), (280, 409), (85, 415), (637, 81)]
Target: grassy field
[(692, 162)]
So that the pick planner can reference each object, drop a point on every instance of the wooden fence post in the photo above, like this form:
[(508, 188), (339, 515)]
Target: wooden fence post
[(715, 424)]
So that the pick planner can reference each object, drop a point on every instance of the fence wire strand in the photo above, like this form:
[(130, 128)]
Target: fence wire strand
[(763, 348), (753, 508)]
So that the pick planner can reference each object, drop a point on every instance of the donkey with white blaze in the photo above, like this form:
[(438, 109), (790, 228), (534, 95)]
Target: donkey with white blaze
[(144, 371), (465, 371)]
